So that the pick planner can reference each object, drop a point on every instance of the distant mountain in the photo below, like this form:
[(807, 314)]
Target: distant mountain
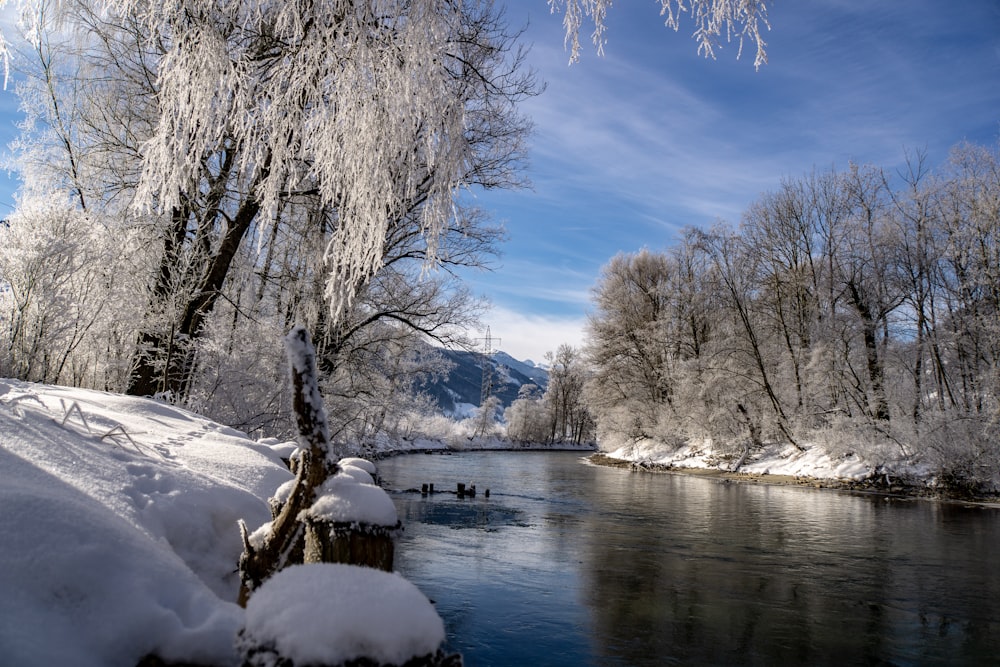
[(462, 389), (537, 373)]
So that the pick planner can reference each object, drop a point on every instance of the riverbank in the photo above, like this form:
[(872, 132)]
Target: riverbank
[(872, 484), (387, 449)]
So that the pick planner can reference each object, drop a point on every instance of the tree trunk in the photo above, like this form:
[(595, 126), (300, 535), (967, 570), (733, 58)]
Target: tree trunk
[(878, 404), (167, 363), (349, 543), (257, 564)]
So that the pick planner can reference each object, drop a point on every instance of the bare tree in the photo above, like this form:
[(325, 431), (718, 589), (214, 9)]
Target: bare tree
[(626, 346), (866, 274), (569, 419), (736, 269)]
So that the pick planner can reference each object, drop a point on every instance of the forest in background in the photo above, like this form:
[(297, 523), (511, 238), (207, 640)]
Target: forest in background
[(855, 309)]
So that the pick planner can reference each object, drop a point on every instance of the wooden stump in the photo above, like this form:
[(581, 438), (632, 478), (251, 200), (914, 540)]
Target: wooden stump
[(350, 543)]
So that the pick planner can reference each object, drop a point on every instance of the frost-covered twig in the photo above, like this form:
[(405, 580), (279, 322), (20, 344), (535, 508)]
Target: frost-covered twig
[(739, 20), (12, 403), (67, 412), (119, 431)]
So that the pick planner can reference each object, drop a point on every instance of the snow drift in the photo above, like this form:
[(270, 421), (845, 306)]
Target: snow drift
[(120, 535)]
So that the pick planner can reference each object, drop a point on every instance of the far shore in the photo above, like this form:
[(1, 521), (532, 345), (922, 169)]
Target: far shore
[(865, 486)]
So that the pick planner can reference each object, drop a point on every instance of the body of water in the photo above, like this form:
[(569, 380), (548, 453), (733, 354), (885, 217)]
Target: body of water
[(568, 563)]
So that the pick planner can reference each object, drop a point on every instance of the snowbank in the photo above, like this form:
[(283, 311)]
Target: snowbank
[(119, 528), (329, 613), (82, 586), (815, 461)]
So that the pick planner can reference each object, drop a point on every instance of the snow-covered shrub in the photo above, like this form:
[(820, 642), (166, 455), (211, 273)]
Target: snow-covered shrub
[(528, 420), (882, 450), (962, 453)]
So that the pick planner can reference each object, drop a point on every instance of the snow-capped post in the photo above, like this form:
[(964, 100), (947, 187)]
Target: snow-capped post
[(282, 543), (352, 521)]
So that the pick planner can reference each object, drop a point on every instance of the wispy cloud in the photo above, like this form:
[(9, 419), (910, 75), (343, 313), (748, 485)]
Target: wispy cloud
[(632, 147), (529, 336)]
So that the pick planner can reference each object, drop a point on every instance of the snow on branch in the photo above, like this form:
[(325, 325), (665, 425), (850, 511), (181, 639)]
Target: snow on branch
[(743, 20), (310, 415), (346, 99)]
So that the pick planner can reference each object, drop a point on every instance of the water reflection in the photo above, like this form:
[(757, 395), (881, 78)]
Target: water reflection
[(574, 564)]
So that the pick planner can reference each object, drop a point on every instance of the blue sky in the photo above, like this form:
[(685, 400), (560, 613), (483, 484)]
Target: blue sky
[(632, 147)]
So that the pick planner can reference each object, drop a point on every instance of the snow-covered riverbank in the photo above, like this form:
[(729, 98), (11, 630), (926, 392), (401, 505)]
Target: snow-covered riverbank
[(812, 465)]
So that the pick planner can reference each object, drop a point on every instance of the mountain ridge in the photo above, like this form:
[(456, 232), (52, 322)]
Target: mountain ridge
[(461, 390)]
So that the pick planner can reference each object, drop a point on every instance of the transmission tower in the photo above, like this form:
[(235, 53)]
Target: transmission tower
[(487, 366)]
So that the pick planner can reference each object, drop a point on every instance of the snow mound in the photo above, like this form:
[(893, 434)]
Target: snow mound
[(355, 462), (329, 614), (359, 475), (343, 499), (283, 448)]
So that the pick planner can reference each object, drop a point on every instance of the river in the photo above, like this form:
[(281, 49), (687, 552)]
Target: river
[(568, 563)]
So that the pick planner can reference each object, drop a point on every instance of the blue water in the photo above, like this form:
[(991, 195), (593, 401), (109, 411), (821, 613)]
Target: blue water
[(572, 564)]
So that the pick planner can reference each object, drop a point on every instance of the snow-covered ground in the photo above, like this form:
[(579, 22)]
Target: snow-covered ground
[(119, 531)]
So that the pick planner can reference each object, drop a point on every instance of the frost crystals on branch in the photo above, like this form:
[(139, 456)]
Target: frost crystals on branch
[(739, 19), (344, 100)]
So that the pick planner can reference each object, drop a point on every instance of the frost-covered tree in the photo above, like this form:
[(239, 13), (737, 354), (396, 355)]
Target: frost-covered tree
[(631, 390), (970, 274), (61, 294), (484, 420), (569, 419), (245, 145), (866, 273), (527, 417)]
